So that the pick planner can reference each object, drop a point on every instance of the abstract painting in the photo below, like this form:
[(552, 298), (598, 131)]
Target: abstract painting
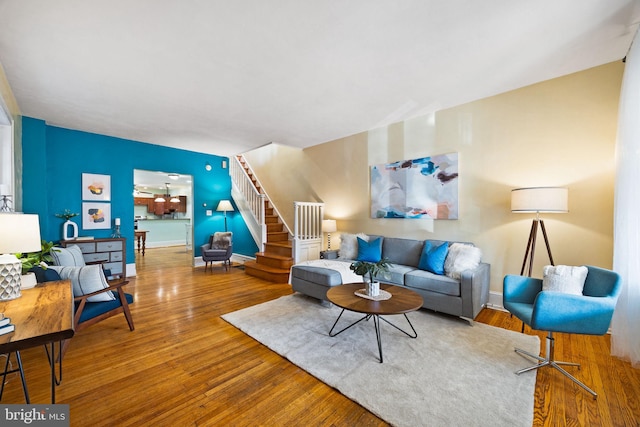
[(96, 216), (425, 188), (96, 187)]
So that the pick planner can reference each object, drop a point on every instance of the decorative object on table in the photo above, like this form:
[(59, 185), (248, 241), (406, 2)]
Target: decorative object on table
[(20, 233), (225, 206), (5, 197), (116, 229), (96, 187), (67, 215), (329, 226), (96, 216), (382, 295), (425, 188), (41, 258), (538, 200), (371, 269)]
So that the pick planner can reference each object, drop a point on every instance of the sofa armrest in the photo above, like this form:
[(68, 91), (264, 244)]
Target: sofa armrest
[(474, 289)]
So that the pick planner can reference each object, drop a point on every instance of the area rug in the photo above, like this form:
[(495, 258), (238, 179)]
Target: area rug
[(452, 374)]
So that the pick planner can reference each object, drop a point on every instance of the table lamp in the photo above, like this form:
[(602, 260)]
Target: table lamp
[(329, 226), (20, 233), (225, 206), (537, 200)]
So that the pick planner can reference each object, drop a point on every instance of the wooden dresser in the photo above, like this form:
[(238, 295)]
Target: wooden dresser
[(111, 253)]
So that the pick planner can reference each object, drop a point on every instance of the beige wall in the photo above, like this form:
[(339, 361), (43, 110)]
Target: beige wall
[(556, 133)]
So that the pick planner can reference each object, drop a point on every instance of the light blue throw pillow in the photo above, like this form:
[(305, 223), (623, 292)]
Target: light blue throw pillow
[(370, 251), (433, 257)]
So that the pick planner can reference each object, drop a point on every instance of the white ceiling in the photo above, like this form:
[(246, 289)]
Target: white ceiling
[(223, 77)]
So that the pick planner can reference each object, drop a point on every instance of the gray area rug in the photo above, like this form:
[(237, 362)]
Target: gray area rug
[(453, 374)]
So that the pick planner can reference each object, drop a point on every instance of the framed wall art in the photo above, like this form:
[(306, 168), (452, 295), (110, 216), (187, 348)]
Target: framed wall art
[(96, 216), (96, 187), (425, 188)]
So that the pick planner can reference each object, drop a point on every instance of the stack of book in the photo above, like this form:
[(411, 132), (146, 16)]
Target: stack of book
[(5, 325)]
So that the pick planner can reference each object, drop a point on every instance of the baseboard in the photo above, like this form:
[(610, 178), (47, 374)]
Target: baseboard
[(495, 301), (237, 258)]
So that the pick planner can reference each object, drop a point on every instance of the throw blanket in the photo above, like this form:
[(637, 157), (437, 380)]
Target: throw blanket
[(341, 267)]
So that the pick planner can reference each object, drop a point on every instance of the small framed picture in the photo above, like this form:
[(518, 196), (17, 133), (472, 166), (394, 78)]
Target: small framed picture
[(96, 216), (96, 187)]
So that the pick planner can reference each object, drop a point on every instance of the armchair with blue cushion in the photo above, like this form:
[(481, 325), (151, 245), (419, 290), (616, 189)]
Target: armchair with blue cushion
[(553, 311), (95, 298)]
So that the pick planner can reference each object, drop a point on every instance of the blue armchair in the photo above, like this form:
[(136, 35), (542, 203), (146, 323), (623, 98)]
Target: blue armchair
[(589, 313)]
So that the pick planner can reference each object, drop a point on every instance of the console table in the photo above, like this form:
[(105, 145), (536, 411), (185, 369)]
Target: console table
[(141, 235), (52, 301)]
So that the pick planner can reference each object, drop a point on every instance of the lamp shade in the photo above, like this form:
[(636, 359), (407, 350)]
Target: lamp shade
[(224, 205), (19, 233), (329, 225), (540, 199)]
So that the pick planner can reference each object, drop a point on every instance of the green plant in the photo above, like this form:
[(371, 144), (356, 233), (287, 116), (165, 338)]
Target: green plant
[(371, 269), (67, 214), (32, 259)]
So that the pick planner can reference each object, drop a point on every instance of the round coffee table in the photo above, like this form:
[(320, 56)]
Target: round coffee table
[(402, 301)]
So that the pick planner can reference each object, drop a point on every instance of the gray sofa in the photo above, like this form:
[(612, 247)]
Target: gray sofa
[(464, 297)]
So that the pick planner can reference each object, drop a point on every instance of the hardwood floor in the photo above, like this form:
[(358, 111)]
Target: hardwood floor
[(185, 366)]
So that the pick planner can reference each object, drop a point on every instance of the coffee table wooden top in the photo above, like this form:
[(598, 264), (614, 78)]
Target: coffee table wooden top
[(402, 300)]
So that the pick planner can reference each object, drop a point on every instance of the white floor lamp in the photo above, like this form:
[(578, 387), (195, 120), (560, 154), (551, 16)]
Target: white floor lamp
[(538, 200)]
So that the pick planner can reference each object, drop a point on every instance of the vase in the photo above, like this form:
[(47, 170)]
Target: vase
[(65, 230), (373, 289), (28, 281)]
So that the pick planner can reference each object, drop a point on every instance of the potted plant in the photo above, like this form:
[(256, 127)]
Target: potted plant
[(32, 259), (371, 269)]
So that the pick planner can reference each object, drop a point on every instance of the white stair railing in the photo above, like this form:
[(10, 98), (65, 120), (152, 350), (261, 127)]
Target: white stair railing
[(307, 234), (250, 202)]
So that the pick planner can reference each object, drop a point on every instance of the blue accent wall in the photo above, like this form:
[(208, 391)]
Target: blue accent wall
[(54, 160)]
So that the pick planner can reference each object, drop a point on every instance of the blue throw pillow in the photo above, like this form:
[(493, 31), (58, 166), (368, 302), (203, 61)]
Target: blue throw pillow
[(370, 251), (433, 257)]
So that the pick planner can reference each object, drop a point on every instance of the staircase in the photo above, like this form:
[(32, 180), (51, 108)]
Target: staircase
[(274, 263)]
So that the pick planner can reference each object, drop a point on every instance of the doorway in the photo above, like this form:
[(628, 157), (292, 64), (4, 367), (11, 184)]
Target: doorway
[(163, 214)]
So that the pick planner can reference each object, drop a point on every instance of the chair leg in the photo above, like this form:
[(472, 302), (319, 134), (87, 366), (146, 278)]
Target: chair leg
[(549, 360)]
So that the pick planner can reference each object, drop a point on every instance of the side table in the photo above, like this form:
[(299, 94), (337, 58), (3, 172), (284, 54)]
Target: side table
[(332, 254)]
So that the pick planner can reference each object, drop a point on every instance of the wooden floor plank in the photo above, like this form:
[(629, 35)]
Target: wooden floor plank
[(183, 365)]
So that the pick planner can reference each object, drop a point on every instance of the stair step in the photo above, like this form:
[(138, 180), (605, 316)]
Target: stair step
[(275, 227), (270, 219), (278, 236), (273, 260), (279, 248), (276, 275)]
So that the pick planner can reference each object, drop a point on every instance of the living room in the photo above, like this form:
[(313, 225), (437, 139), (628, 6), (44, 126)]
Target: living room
[(558, 132)]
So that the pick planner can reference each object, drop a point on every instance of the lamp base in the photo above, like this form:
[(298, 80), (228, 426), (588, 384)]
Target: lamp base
[(10, 277)]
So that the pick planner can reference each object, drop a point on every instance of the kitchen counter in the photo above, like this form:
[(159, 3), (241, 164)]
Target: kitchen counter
[(166, 232)]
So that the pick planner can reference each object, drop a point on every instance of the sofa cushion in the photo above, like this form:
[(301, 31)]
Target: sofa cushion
[(86, 280), (402, 251), (433, 257), (461, 257), (395, 275), (220, 240), (319, 275), (95, 309), (349, 245), (69, 256), (564, 278), (425, 280), (370, 251)]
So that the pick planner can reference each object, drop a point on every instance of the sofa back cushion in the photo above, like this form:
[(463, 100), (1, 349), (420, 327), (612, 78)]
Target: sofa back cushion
[(402, 251)]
